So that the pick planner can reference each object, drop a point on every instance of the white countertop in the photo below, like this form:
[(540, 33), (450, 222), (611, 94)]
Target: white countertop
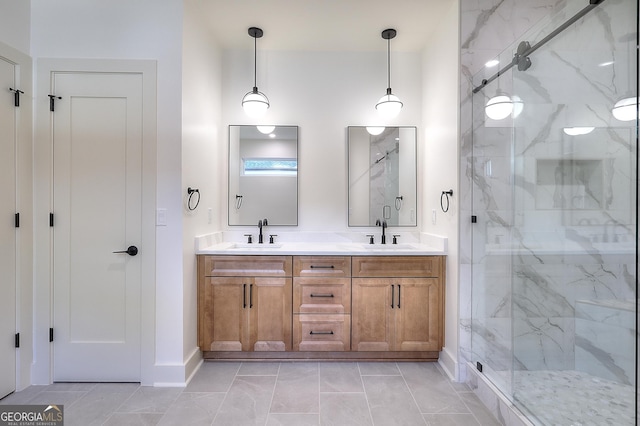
[(322, 245)]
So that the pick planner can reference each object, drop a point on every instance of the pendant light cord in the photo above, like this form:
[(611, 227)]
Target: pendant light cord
[(389, 63), (255, 62)]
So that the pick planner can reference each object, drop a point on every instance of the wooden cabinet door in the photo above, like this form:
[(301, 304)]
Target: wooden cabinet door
[(371, 312), (417, 314), (270, 314), (224, 314)]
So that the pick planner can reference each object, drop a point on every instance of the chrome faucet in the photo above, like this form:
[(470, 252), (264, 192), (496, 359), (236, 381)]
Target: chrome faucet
[(383, 239), (261, 223)]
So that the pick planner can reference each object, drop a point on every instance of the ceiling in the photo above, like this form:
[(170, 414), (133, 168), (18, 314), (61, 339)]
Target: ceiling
[(329, 25)]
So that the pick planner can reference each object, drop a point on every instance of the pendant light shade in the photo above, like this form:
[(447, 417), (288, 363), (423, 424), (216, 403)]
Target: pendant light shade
[(255, 103), (375, 130), (499, 107), (389, 105), (626, 109)]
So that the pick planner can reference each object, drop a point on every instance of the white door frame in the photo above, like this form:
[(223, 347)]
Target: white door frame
[(42, 372)]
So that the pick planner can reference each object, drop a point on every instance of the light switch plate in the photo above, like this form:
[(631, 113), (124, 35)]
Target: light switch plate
[(161, 217)]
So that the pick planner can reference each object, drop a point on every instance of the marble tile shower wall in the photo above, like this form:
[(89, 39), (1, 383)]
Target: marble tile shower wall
[(583, 212)]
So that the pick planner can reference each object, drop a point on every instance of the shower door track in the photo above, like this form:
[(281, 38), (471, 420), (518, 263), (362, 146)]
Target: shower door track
[(524, 49)]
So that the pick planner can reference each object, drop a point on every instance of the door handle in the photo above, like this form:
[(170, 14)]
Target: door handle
[(244, 296), (250, 296), (398, 296), (131, 251)]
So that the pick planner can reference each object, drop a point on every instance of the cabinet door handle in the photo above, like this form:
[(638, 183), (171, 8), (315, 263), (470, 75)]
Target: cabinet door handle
[(250, 296), (398, 296), (322, 266), (320, 332), (244, 296), (393, 293), (322, 295)]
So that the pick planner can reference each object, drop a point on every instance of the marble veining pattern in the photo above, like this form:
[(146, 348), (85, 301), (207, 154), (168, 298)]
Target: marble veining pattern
[(551, 259)]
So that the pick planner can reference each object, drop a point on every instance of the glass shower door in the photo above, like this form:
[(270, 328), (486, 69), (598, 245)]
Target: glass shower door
[(554, 286), (573, 263), (492, 211)]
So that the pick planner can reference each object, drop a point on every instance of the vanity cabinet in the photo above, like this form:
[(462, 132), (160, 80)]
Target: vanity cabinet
[(397, 303), (244, 303), (321, 307), (321, 303)]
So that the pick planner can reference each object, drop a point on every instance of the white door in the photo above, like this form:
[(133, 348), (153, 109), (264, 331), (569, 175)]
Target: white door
[(97, 202), (7, 229)]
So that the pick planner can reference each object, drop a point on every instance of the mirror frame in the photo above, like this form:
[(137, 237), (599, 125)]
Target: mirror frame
[(235, 145), (413, 212)]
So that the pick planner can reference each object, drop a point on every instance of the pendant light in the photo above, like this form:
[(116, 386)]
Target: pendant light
[(255, 103), (626, 109), (375, 130), (499, 107), (389, 105)]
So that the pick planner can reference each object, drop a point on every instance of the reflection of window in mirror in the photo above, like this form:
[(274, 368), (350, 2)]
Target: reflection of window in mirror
[(263, 175), (270, 166), (382, 176)]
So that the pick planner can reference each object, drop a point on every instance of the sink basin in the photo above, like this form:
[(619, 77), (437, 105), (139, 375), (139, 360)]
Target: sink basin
[(254, 246)]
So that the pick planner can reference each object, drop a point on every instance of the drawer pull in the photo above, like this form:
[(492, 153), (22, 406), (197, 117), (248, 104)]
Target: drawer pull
[(321, 295), (244, 296), (322, 266), (250, 296), (320, 332), (398, 296)]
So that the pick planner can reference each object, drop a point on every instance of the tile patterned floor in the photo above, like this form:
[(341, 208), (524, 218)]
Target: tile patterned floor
[(279, 393)]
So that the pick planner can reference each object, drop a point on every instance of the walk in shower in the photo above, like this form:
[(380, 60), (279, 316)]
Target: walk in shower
[(554, 188)]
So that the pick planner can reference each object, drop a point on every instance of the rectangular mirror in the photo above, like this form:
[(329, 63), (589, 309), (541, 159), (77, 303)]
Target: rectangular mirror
[(382, 175), (263, 175)]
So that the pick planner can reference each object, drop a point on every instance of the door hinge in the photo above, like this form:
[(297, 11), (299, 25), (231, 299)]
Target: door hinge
[(17, 220), (51, 334), (52, 101), (50, 219), (474, 219), (16, 96), (479, 366), (17, 340)]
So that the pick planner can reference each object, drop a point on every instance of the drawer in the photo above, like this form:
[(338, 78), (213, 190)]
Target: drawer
[(397, 266), (321, 332), (326, 266), (242, 266), (324, 295)]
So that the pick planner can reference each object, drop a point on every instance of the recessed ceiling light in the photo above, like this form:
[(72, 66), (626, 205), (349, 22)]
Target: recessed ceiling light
[(492, 63)]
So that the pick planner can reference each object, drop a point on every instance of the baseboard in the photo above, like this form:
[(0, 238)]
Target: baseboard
[(449, 364), (193, 364), (177, 375)]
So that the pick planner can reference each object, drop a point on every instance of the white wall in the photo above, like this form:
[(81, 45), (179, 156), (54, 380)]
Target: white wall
[(322, 93), (440, 161), (144, 29), (14, 24), (203, 148)]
